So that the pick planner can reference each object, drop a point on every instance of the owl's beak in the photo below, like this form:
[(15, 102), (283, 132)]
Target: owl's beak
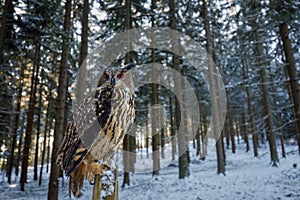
[(113, 81)]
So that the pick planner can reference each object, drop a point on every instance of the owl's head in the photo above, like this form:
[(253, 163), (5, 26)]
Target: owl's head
[(117, 76)]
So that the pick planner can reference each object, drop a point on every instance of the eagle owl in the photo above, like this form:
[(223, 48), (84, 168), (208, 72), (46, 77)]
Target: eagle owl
[(98, 127)]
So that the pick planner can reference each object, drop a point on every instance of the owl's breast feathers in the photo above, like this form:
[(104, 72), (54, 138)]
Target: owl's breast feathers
[(98, 127)]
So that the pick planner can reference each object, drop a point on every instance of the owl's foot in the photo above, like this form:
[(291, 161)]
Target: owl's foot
[(96, 168)]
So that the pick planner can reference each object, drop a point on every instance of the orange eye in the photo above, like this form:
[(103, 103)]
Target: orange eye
[(120, 75), (105, 76)]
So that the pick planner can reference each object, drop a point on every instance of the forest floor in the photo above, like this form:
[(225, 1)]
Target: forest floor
[(246, 177)]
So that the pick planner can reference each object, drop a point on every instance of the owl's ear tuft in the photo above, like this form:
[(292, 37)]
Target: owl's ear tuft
[(129, 66)]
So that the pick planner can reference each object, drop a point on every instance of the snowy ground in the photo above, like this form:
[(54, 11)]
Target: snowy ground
[(246, 178)]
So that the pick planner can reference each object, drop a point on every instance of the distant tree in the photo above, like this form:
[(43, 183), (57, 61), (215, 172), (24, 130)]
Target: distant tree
[(179, 85), (154, 101), (15, 126), (249, 109), (213, 90), (45, 135), (261, 63), (30, 115), (37, 137)]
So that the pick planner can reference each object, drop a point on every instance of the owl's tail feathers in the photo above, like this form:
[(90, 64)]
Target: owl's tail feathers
[(76, 180)]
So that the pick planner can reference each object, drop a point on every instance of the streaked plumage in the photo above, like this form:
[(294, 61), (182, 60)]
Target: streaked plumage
[(98, 127)]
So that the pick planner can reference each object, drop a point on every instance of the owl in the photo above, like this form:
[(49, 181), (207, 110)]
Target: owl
[(98, 126)]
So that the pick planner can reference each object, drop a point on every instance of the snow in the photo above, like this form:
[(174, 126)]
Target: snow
[(246, 177)]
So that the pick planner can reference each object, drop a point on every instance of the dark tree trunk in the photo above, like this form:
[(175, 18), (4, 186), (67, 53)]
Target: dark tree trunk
[(15, 127), (203, 138), (6, 33), (182, 143), (44, 142), (162, 135), (292, 72), (32, 101), (84, 32), (172, 128), (147, 140), (60, 105), (250, 111), (83, 49), (154, 101), (126, 148), (278, 118), (227, 133), (48, 145), (198, 142), (35, 170), (244, 130), (266, 97), (213, 91), (20, 144), (127, 141), (6, 28)]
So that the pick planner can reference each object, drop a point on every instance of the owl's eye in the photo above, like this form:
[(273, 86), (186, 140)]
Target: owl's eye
[(105, 76), (120, 75)]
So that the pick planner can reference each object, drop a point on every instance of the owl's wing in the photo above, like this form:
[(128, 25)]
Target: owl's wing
[(91, 115)]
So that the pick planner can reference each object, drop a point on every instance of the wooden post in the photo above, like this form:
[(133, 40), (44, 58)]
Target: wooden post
[(116, 186), (97, 187)]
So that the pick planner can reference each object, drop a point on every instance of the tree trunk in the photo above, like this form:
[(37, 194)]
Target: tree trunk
[(36, 160), (244, 131), (172, 128), (292, 72), (198, 143), (126, 160), (5, 26), (162, 135), (20, 145), (203, 138), (278, 119), (30, 116), (83, 49), (227, 133), (44, 142), (154, 101), (127, 141), (60, 105), (266, 97), (182, 143), (250, 111), (15, 127), (183, 147), (213, 92), (154, 121), (48, 145), (231, 129), (147, 139), (84, 32)]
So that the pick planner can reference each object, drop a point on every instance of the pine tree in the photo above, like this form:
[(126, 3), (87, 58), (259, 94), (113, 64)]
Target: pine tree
[(60, 104)]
